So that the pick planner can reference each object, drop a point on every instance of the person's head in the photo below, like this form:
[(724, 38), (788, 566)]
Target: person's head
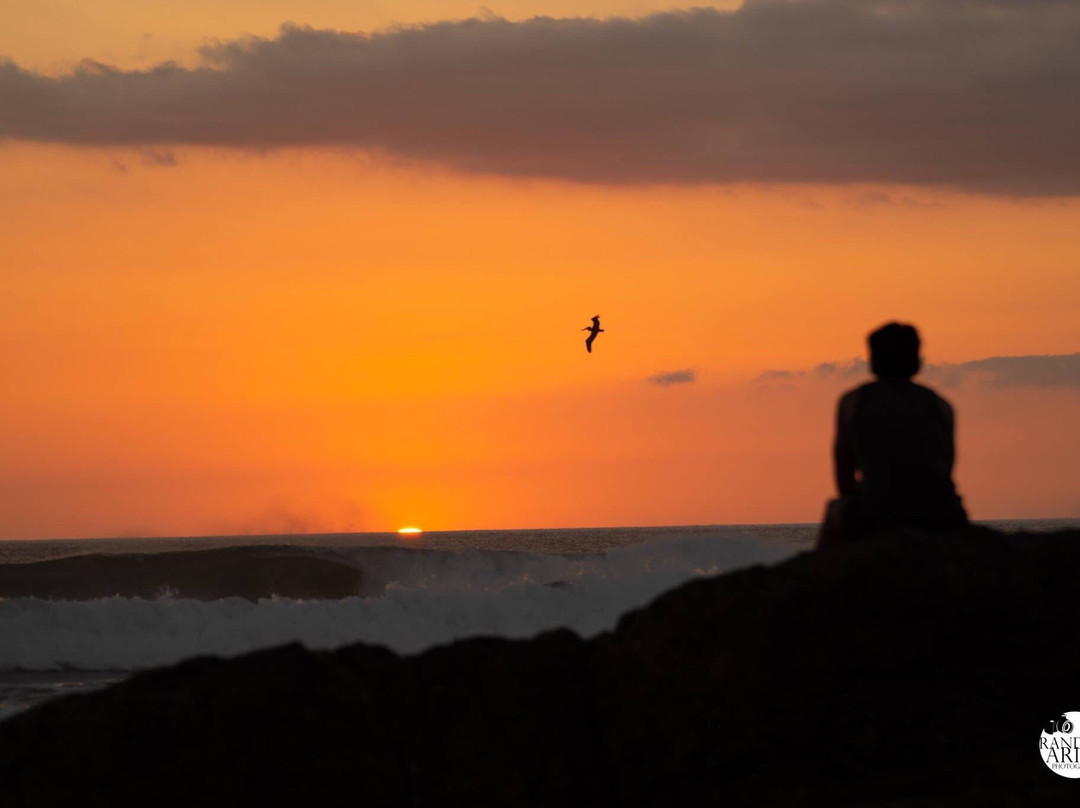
[(894, 351)]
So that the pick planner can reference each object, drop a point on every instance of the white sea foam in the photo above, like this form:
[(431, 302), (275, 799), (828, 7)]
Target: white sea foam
[(430, 599)]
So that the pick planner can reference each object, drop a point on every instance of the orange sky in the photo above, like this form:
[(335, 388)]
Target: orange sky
[(317, 339)]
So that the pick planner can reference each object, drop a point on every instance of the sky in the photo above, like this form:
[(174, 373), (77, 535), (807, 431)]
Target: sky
[(278, 267)]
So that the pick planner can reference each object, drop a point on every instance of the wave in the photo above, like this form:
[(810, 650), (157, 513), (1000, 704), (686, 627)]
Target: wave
[(427, 598), (245, 572), (258, 572)]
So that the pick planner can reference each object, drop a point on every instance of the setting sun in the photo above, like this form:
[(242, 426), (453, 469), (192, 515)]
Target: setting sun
[(409, 530)]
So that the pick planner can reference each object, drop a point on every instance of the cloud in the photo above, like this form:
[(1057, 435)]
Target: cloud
[(848, 369), (1062, 370), (842, 371), (1059, 370), (159, 158), (974, 94), (670, 378), (876, 198)]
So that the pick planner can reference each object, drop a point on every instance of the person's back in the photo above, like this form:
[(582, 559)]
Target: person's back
[(894, 448)]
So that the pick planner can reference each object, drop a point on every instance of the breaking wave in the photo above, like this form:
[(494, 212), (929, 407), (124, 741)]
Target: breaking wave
[(405, 599)]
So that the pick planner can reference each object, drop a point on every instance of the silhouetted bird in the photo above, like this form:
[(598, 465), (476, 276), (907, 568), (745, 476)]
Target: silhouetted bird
[(593, 330)]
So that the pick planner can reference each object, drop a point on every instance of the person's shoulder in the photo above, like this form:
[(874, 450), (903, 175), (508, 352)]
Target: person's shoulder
[(938, 400), (929, 392), (855, 393), (862, 388), (850, 400)]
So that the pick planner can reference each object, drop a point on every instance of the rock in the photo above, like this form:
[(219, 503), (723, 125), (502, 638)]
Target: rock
[(912, 670)]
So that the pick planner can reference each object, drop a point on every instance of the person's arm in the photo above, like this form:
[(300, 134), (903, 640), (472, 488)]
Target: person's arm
[(950, 427), (844, 465)]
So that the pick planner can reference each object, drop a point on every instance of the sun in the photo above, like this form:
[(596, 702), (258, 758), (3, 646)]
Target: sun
[(409, 531)]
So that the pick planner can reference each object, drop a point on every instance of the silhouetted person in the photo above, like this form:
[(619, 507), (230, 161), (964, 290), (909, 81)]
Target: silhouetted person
[(593, 330), (894, 449)]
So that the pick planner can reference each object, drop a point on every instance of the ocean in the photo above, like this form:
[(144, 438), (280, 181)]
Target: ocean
[(80, 614)]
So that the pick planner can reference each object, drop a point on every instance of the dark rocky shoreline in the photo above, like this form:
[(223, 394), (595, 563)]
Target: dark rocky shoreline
[(911, 670)]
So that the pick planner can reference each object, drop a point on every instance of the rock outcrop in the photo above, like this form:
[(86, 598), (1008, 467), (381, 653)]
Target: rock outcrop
[(910, 670)]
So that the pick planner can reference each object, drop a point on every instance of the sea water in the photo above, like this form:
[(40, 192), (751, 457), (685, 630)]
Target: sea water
[(412, 593)]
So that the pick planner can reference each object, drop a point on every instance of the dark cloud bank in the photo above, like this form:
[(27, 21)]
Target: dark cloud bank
[(674, 377), (975, 94), (1061, 370)]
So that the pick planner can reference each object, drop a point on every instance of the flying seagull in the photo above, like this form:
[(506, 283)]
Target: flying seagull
[(593, 330)]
